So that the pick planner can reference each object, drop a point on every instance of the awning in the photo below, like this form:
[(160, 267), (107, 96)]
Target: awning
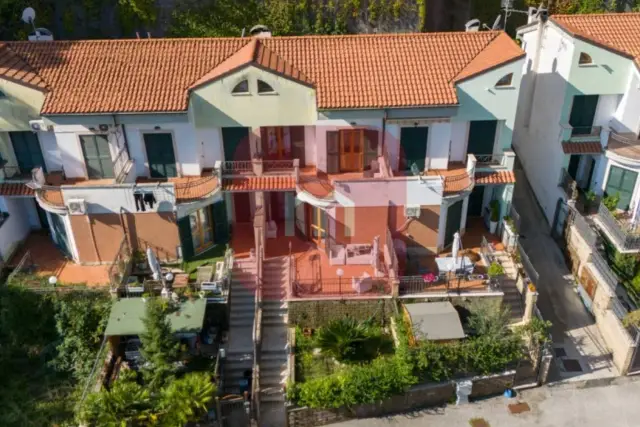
[(127, 314), (435, 321), (184, 209)]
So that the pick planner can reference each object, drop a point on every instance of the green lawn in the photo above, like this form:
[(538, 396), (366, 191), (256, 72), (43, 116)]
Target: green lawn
[(208, 257)]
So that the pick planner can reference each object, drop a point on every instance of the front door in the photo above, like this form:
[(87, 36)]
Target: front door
[(160, 155), (276, 206), (583, 112), (241, 207), (27, 149), (475, 201), (413, 147), (454, 216), (60, 234), (482, 134), (351, 150), (574, 162), (317, 225), (97, 156), (235, 141)]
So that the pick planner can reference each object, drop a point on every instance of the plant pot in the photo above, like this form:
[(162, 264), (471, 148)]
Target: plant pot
[(493, 226)]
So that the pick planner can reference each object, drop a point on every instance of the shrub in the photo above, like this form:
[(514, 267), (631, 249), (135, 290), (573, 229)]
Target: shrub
[(625, 264), (488, 319), (611, 202), (495, 269), (347, 340), (494, 206)]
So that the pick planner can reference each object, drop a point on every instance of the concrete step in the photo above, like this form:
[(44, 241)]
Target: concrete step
[(272, 394), (241, 322), (274, 305), (242, 305)]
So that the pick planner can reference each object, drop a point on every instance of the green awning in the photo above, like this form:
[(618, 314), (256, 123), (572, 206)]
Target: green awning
[(127, 314)]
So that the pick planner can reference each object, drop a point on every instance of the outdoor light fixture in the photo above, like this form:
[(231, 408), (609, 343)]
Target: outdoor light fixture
[(53, 280)]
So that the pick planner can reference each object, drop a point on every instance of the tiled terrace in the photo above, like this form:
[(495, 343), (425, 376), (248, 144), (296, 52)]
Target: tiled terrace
[(48, 260), (188, 188), (455, 177), (624, 144)]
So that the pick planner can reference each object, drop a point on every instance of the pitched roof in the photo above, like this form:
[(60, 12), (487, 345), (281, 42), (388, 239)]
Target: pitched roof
[(155, 75), (497, 177), (15, 189), (615, 31), (580, 147)]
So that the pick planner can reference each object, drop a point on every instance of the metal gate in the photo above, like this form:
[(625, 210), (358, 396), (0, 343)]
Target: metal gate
[(233, 412), (560, 220)]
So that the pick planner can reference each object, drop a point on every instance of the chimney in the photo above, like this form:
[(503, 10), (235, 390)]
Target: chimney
[(260, 31)]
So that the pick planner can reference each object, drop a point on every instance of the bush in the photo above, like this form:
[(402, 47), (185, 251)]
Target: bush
[(611, 202), (495, 269), (625, 264), (347, 340)]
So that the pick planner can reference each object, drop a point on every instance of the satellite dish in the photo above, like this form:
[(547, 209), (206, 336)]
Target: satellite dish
[(496, 23), (473, 25), (28, 15)]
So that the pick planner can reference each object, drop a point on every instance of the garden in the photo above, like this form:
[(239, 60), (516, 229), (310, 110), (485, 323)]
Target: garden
[(348, 363)]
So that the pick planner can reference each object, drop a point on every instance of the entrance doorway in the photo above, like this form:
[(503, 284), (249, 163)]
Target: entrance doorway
[(475, 201), (317, 225), (241, 207), (276, 206), (454, 216)]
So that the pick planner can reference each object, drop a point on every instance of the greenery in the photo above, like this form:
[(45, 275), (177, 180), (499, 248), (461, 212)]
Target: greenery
[(347, 340), (208, 257), (611, 202), (495, 269), (49, 341), (494, 206), (129, 403), (160, 349), (632, 318), (536, 332), (488, 320)]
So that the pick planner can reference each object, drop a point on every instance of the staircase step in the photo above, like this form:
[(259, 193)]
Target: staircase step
[(241, 322)]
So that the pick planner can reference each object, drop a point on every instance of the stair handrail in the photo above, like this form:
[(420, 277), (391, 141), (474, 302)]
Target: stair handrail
[(257, 331)]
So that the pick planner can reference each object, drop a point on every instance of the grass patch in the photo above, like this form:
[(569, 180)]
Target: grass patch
[(208, 257)]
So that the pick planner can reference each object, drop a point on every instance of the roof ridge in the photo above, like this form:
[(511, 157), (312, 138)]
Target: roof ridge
[(593, 15)]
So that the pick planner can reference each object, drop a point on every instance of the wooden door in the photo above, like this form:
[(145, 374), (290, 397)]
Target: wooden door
[(351, 150), (276, 143)]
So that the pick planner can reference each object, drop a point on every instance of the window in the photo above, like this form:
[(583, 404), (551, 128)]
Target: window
[(264, 87), (97, 156), (585, 59), (622, 182), (241, 88), (505, 81), (201, 229)]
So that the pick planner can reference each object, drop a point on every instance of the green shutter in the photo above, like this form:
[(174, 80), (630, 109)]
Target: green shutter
[(413, 147), (26, 147), (482, 134), (583, 112), (160, 155), (184, 229), (622, 182), (220, 223)]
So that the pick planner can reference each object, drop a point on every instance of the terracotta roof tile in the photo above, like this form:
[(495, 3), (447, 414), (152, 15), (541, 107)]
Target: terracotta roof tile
[(616, 31), (497, 177), (15, 189), (578, 147), (456, 183), (152, 75), (259, 183)]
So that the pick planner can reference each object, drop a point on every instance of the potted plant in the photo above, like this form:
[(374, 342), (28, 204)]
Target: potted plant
[(495, 270), (589, 200), (494, 216), (139, 260)]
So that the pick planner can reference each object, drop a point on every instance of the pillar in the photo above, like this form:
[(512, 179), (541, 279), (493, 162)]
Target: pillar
[(529, 303)]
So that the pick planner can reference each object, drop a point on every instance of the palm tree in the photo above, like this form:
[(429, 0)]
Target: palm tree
[(348, 340), (185, 399)]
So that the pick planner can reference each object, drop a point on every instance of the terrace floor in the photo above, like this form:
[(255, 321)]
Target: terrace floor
[(48, 260)]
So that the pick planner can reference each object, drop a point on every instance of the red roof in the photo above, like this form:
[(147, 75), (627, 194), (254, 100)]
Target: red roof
[(259, 183), (578, 147), (497, 177), (155, 75), (16, 189)]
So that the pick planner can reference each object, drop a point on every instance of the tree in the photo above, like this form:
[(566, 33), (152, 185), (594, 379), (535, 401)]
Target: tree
[(186, 399), (160, 349)]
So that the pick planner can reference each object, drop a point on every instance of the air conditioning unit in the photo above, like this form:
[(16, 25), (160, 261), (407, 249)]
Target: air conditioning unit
[(412, 211), (37, 125), (103, 128), (77, 206)]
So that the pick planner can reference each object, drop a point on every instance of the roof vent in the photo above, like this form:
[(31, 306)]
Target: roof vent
[(40, 35), (260, 31), (472, 26)]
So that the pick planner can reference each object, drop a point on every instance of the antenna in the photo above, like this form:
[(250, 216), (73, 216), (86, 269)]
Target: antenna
[(472, 25)]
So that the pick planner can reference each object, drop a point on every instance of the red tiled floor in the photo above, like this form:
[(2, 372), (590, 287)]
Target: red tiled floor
[(242, 239), (49, 261)]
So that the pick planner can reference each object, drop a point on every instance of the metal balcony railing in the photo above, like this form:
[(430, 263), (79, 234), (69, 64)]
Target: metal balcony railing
[(484, 160), (625, 235), (120, 164), (569, 185)]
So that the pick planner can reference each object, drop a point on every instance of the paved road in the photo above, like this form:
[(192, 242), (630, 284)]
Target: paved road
[(574, 329), (566, 406)]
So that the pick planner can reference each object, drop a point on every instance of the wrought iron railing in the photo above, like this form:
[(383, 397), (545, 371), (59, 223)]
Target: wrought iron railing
[(568, 185), (515, 216), (237, 166), (584, 229), (195, 189), (489, 160), (457, 183), (340, 287), (603, 268), (277, 165), (626, 236), (583, 132), (444, 282), (257, 329), (25, 262), (529, 269)]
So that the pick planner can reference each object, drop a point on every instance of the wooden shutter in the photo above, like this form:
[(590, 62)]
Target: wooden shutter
[(220, 222), (333, 152), (370, 147), (297, 143), (186, 241)]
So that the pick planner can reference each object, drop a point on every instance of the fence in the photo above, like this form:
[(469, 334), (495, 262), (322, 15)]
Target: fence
[(446, 282), (25, 262), (314, 288), (529, 269), (92, 383), (515, 216)]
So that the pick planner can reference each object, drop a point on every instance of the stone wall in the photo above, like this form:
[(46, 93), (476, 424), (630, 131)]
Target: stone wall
[(418, 397), (317, 313)]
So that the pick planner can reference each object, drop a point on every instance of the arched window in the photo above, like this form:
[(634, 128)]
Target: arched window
[(264, 87), (505, 81), (585, 59), (242, 87)]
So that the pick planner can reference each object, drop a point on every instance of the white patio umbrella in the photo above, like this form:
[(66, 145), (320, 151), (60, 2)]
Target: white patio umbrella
[(154, 265), (455, 248)]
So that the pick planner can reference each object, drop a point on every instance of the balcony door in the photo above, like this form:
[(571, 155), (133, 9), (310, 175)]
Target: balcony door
[(317, 225), (97, 156), (622, 182), (482, 134), (235, 141), (413, 147), (454, 218), (27, 150), (276, 143), (583, 112), (160, 155), (351, 150), (201, 225)]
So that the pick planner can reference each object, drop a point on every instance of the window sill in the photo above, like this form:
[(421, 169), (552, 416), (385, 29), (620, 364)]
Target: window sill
[(588, 65), (510, 87), (241, 94), (268, 94)]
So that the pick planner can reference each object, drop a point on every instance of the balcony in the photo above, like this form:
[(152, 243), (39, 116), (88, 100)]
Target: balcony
[(457, 178), (188, 188), (619, 229), (495, 162), (625, 144), (580, 133), (258, 175), (568, 185)]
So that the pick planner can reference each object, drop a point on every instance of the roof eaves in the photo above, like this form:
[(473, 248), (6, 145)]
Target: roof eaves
[(493, 67)]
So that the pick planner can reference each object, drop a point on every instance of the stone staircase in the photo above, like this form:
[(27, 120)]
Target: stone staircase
[(275, 351), (239, 358), (512, 298)]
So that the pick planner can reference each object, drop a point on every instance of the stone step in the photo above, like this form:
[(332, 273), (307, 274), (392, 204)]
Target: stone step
[(241, 322), (272, 394), (277, 365), (272, 379), (274, 305), (242, 305)]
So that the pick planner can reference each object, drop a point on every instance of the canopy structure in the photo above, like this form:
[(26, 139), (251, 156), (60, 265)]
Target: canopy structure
[(435, 321), (127, 314)]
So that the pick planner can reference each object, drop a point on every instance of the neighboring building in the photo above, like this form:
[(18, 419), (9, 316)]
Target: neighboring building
[(579, 115), (127, 134)]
